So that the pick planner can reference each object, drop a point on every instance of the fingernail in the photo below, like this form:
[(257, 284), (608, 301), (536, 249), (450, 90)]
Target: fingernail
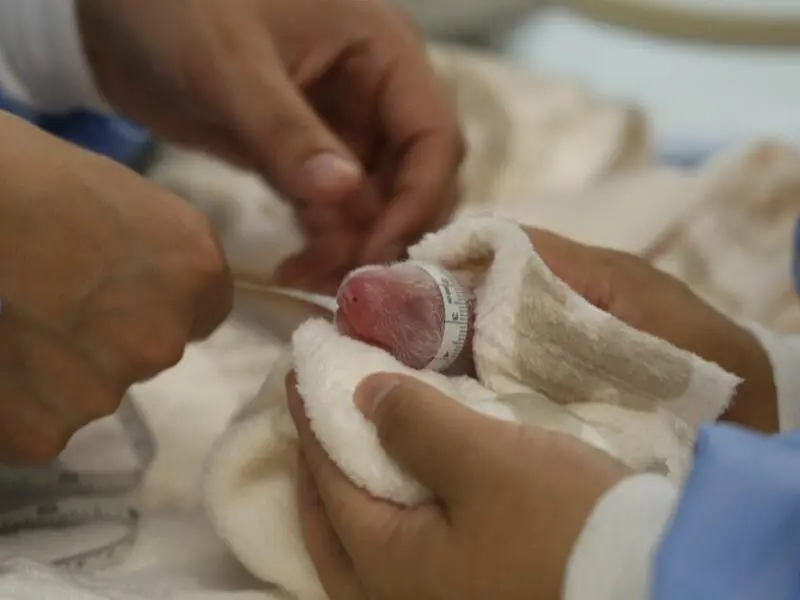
[(330, 172), (372, 391)]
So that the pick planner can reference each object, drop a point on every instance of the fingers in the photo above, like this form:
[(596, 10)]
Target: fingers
[(334, 567), (391, 547), (440, 442), (375, 534), (215, 300), (422, 129), (298, 154), (421, 198)]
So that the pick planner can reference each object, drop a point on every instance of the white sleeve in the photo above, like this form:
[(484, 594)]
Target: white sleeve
[(783, 352), (42, 62), (614, 554)]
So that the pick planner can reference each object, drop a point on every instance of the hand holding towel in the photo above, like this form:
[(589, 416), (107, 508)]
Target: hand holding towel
[(543, 355)]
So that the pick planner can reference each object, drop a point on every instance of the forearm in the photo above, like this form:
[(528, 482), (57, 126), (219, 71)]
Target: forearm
[(42, 60)]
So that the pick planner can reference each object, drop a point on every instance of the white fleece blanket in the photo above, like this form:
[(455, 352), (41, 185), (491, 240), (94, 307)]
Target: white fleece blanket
[(537, 343)]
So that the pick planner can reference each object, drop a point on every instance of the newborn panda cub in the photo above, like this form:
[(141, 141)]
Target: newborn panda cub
[(420, 313)]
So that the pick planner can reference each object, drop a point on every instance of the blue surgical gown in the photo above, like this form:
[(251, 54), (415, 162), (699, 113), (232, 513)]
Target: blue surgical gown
[(736, 531)]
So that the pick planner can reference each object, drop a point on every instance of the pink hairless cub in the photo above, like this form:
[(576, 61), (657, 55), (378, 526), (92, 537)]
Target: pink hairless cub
[(421, 314)]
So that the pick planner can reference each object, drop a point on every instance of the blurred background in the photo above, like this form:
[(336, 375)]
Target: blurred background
[(708, 73)]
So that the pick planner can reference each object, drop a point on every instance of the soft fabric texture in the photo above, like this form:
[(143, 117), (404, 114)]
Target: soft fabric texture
[(631, 394), (735, 248)]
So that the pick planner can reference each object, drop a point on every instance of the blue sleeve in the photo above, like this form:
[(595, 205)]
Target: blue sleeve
[(736, 532), (114, 137)]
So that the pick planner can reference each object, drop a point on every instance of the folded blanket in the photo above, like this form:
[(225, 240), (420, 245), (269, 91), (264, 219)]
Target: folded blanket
[(543, 356), (735, 249)]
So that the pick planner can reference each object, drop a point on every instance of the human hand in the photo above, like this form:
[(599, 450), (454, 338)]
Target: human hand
[(657, 303), (333, 101), (512, 501), (104, 277)]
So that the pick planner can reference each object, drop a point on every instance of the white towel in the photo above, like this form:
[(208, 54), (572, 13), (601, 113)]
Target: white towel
[(622, 390)]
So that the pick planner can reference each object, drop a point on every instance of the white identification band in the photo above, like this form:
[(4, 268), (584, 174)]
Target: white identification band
[(456, 317)]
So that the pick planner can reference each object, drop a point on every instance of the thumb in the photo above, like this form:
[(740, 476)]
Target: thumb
[(295, 150), (437, 440)]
